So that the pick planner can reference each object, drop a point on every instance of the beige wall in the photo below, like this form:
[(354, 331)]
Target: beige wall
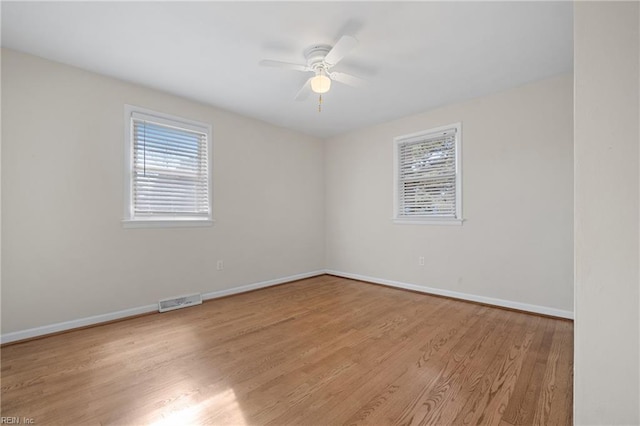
[(606, 213), (65, 253), (516, 243)]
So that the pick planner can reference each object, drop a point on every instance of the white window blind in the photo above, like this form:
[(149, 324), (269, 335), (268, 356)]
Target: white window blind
[(427, 178), (169, 169)]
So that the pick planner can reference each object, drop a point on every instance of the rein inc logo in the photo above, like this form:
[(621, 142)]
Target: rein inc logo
[(16, 420)]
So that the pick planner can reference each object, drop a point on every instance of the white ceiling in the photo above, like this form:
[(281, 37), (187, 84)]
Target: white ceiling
[(415, 55)]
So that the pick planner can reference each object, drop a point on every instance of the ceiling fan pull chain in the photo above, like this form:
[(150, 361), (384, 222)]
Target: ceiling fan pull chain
[(320, 103)]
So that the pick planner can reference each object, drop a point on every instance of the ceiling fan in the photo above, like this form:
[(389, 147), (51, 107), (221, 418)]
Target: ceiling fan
[(321, 58)]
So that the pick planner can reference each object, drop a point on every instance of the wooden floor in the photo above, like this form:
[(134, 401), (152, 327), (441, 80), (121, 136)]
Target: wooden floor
[(322, 351)]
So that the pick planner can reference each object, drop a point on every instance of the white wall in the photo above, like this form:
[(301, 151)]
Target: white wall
[(606, 212), (65, 253), (516, 243)]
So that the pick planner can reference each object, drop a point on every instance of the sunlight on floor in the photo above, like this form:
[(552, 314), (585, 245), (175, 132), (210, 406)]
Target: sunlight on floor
[(220, 409)]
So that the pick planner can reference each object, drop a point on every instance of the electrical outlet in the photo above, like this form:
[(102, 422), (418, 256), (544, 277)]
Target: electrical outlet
[(220, 265), (421, 261)]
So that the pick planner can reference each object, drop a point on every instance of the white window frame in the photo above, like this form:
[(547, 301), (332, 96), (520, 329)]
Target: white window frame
[(428, 220), (130, 220)]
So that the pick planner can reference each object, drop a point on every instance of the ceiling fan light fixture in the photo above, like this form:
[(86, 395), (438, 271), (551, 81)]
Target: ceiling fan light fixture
[(321, 58), (321, 83)]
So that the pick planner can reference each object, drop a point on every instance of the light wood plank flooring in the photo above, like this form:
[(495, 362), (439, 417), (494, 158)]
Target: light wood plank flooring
[(321, 351)]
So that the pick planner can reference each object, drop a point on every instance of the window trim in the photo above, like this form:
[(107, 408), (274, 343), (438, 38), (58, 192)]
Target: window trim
[(129, 221), (425, 220)]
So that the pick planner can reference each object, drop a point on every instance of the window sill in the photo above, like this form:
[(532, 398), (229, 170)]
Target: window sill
[(167, 223), (454, 222)]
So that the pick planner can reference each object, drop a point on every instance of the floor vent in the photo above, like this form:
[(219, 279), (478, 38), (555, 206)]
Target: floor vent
[(179, 302)]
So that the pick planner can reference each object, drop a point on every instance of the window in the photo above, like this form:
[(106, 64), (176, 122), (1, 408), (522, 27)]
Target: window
[(168, 170), (427, 187)]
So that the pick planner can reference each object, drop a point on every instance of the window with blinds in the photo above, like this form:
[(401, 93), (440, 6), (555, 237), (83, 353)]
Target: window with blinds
[(168, 168), (427, 178)]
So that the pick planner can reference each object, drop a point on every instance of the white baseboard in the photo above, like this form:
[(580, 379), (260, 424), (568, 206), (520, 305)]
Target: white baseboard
[(262, 284), (97, 319), (544, 310), (68, 325)]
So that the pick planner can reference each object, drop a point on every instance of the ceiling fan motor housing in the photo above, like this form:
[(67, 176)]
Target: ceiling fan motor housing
[(315, 56)]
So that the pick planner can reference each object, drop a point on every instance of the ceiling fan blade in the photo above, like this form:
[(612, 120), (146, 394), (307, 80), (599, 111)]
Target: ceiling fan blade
[(347, 79), (304, 92), (342, 47), (287, 65)]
